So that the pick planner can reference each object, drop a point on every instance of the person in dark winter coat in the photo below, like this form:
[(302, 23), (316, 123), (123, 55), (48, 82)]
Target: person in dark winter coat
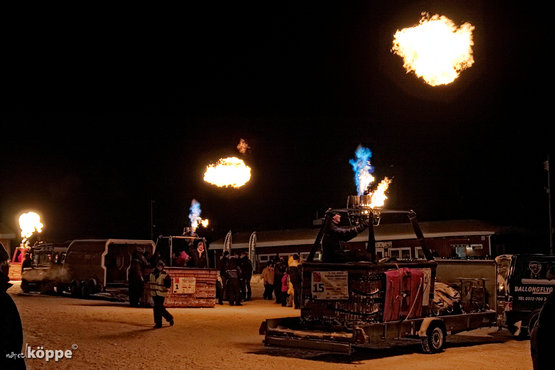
[(233, 274), (136, 277), (542, 340), (246, 268), (335, 236), (279, 270), (11, 337), (224, 261), (198, 256), (295, 279)]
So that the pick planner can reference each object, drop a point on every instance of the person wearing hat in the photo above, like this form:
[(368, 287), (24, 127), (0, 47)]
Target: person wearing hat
[(334, 238), (137, 277), (198, 256), (160, 281), (11, 339)]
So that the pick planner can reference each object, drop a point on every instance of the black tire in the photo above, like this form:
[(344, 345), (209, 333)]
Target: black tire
[(84, 290), (533, 320), (436, 335), (93, 286), (47, 287), (75, 289), (59, 289), (25, 286)]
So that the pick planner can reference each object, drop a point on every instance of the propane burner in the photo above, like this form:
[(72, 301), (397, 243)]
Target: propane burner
[(360, 207)]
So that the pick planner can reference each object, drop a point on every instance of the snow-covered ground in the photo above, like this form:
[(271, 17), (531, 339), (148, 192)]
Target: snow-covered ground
[(111, 335)]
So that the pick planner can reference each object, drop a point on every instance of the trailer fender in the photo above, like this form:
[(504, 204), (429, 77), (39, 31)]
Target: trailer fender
[(422, 332)]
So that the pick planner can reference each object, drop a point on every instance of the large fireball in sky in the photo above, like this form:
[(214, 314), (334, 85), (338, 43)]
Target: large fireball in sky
[(30, 223), (436, 50), (228, 172)]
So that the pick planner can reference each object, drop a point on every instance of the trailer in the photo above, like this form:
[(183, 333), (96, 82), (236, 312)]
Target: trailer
[(373, 304)]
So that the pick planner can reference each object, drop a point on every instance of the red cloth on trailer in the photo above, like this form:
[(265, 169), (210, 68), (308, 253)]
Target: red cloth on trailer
[(403, 294)]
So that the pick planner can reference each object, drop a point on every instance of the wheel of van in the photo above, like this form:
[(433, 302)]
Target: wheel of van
[(75, 289), (59, 289), (25, 286), (435, 338), (84, 291), (47, 287), (534, 316)]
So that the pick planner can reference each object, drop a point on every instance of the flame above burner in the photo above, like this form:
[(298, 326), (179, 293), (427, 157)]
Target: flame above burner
[(228, 172), (194, 216), (30, 223), (378, 196), (436, 50)]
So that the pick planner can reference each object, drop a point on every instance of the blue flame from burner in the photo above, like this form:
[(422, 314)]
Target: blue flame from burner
[(363, 169), (195, 212)]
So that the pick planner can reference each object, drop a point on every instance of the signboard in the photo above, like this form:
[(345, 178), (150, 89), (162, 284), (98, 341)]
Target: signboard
[(386, 244), (536, 283), (184, 285), (330, 285)]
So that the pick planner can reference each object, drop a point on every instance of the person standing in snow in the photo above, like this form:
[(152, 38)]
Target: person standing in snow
[(295, 278), (268, 277), (233, 274), (246, 269), (136, 277), (160, 281)]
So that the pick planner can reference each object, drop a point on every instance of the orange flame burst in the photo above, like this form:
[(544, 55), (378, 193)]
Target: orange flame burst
[(378, 196), (228, 172), (30, 223), (435, 50)]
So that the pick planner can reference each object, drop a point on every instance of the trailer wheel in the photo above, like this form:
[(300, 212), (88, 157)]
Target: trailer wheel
[(93, 286), (434, 341)]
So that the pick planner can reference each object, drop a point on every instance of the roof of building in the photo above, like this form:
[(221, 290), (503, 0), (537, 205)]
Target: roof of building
[(383, 232), (6, 232)]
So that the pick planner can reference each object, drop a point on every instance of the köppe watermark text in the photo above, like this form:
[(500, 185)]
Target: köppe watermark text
[(41, 353)]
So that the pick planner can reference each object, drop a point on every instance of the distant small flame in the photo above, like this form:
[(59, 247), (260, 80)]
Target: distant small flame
[(194, 216), (435, 50), (242, 147), (228, 172), (30, 223)]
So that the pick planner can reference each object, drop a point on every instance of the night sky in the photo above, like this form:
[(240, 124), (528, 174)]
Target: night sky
[(106, 109)]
